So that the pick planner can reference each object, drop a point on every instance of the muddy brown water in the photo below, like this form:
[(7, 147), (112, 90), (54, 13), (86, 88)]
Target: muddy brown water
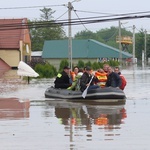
[(29, 121)]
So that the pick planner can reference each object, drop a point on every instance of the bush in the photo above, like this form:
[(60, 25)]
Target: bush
[(80, 64), (95, 66), (88, 64), (63, 63), (35, 61), (113, 63), (46, 70), (99, 65)]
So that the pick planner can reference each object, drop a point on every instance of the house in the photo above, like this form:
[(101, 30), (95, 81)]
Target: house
[(15, 43), (86, 50), (36, 55)]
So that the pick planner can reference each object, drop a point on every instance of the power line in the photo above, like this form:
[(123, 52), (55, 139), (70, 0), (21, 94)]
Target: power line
[(43, 24), (61, 15), (107, 14), (112, 35), (94, 12), (115, 15), (31, 7), (80, 21)]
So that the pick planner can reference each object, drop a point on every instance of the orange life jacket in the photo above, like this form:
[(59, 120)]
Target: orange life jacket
[(102, 78), (73, 75), (123, 82)]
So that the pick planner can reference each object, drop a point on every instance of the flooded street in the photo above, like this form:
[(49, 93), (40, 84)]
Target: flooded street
[(29, 121)]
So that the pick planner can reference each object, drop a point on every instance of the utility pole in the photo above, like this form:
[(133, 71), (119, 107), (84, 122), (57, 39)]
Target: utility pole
[(120, 48), (70, 7), (133, 41), (145, 47)]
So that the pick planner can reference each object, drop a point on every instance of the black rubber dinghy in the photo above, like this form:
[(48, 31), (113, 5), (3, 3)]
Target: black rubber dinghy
[(99, 93)]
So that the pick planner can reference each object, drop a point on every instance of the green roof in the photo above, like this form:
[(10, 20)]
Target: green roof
[(81, 49)]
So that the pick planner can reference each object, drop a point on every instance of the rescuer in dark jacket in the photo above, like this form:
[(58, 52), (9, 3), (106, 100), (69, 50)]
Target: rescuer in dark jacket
[(63, 80), (113, 79), (85, 79)]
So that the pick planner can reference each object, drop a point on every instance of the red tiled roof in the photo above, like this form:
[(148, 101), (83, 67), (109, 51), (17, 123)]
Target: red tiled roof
[(11, 33)]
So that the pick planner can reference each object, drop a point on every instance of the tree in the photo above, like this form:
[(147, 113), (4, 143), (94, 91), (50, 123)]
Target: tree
[(85, 35), (106, 36), (48, 32), (47, 14), (139, 46), (63, 63), (80, 64), (148, 46)]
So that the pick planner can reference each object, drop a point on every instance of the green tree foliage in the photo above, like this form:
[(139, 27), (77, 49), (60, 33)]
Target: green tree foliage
[(50, 31), (148, 46), (47, 14), (113, 63), (88, 64), (80, 64), (139, 46), (46, 70), (49, 71), (98, 65), (63, 63), (86, 35), (35, 61), (95, 66), (106, 36)]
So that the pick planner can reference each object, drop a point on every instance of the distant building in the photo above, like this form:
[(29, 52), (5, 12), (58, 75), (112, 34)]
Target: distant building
[(36, 55), (86, 50), (15, 43)]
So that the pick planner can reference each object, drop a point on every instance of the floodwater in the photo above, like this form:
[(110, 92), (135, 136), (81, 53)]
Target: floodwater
[(29, 121)]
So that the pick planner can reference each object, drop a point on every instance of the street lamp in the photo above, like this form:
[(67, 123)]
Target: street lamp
[(70, 8)]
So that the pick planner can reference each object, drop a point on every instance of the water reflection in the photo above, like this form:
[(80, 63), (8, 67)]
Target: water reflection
[(13, 108), (77, 118)]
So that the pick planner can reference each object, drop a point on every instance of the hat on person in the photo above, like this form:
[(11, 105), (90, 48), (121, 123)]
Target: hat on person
[(66, 67), (88, 68)]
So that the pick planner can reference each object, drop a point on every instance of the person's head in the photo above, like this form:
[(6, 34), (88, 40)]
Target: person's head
[(105, 67), (117, 70), (76, 69), (88, 69), (67, 69), (80, 70), (101, 70), (110, 70)]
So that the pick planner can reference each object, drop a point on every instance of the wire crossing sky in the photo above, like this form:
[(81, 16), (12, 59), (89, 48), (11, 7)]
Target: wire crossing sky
[(90, 15)]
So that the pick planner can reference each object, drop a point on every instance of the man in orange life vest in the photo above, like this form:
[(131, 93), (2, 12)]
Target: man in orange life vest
[(105, 68), (101, 76), (123, 80)]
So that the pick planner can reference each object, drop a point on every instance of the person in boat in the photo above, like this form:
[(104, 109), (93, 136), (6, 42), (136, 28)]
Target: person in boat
[(76, 83), (105, 68), (74, 72), (101, 76), (113, 79), (123, 80), (63, 80), (85, 79)]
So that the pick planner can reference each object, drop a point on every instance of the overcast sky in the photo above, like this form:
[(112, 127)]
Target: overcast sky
[(101, 7)]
